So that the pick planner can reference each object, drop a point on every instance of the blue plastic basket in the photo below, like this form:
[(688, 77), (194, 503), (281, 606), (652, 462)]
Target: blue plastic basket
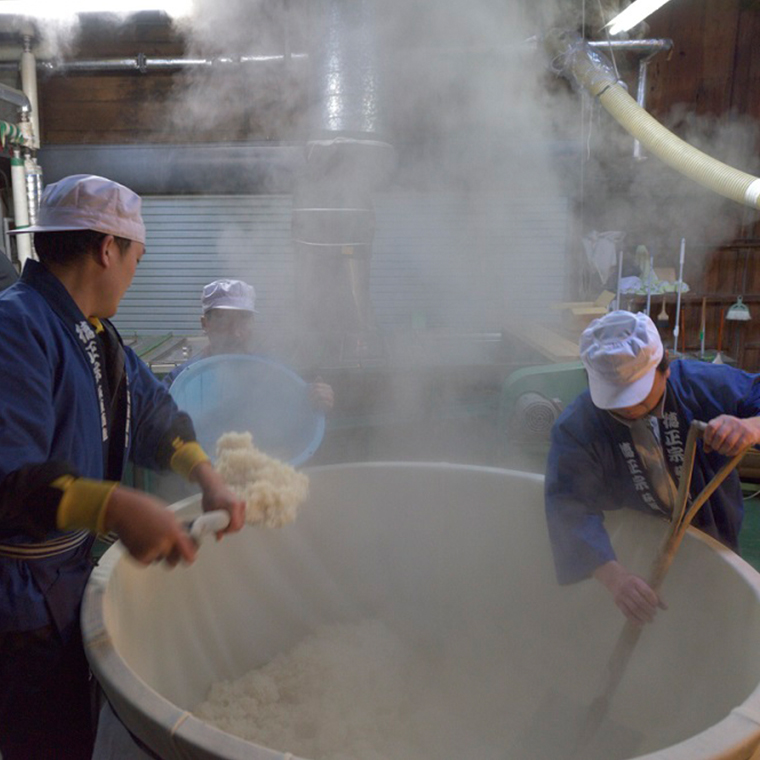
[(232, 393)]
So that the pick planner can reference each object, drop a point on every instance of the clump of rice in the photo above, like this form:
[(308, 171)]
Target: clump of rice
[(272, 489), (338, 694)]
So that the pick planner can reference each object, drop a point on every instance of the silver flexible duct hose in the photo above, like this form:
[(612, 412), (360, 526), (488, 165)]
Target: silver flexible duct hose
[(587, 68)]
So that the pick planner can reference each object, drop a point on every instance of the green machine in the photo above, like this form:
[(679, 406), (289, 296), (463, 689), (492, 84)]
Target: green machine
[(531, 400)]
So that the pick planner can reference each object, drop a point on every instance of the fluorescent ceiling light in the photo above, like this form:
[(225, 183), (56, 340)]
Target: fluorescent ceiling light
[(53, 9), (635, 13)]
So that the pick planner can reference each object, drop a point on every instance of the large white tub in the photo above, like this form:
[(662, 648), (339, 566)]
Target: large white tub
[(456, 559)]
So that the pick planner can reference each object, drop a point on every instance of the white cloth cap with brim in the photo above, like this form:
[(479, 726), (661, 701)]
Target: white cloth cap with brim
[(620, 351), (228, 294), (89, 202)]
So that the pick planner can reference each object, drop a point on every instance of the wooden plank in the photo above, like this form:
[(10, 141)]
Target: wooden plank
[(147, 118), (105, 116), (156, 35), (746, 77), (102, 87), (718, 44), (127, 108), (701, 64), (550, 344), (672, 78)]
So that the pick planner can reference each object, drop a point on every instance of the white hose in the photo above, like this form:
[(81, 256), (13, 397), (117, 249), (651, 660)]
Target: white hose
[(684, 158), (589, 69)]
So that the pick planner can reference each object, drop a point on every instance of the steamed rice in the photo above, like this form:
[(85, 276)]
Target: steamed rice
[(272, 489), (359, 691)]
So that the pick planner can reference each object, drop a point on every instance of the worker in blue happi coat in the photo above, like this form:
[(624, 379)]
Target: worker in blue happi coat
[(228, 314), (8, 273), (621, 444), (75, 406)]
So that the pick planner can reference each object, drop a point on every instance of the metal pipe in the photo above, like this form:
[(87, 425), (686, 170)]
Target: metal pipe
[(160, 169), (15, 97), (681, 257), (641, 99), (28, 67), (33, 185), (651, 46), (20, 206), (143, 64)]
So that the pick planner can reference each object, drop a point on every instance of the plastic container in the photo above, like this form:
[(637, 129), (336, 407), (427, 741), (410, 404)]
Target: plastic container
[(235, 393), (455, 559)]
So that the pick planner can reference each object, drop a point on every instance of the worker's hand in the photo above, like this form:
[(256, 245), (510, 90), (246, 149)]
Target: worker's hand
[(147, 528), (321, 395), (218, 495), (730, 435), (632, 594)]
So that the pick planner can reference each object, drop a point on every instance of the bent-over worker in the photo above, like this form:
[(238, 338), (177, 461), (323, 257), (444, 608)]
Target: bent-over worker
[(227, 318), (621, 444)]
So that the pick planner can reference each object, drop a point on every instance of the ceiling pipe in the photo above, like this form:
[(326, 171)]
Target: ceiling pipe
[(16, 98), (143, 64), (28, 69), (645, 46), (641, 99), (20, 206), (588, 69)]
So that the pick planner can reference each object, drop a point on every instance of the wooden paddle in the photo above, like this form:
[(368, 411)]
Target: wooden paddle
[(630, 634)]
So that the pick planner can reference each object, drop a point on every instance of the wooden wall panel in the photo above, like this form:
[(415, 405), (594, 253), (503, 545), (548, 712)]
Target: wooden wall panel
[(120, 108), (699, 70), (714, 70), (132, 107), (746, 74)]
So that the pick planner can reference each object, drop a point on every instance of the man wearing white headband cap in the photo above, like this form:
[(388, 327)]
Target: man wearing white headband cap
[(228, 315), (621, 444), (76, 406)]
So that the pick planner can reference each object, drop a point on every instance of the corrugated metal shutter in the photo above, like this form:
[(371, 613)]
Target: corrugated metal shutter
[(464, 264), (470, 263), (193, 240)]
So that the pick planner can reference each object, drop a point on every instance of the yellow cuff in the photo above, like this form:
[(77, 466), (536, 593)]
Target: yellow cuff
[(186, 457), (83, 503)]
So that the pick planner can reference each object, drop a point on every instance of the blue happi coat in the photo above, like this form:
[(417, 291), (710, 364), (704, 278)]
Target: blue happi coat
[(593, 466), (56, 416)]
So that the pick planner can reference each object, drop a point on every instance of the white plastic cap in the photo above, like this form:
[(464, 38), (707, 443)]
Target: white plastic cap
[(89, 202), (621, 352), (228, 294)]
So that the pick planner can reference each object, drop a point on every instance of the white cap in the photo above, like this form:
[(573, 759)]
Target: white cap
[(89, 202), (621, 352), (228, 294)]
